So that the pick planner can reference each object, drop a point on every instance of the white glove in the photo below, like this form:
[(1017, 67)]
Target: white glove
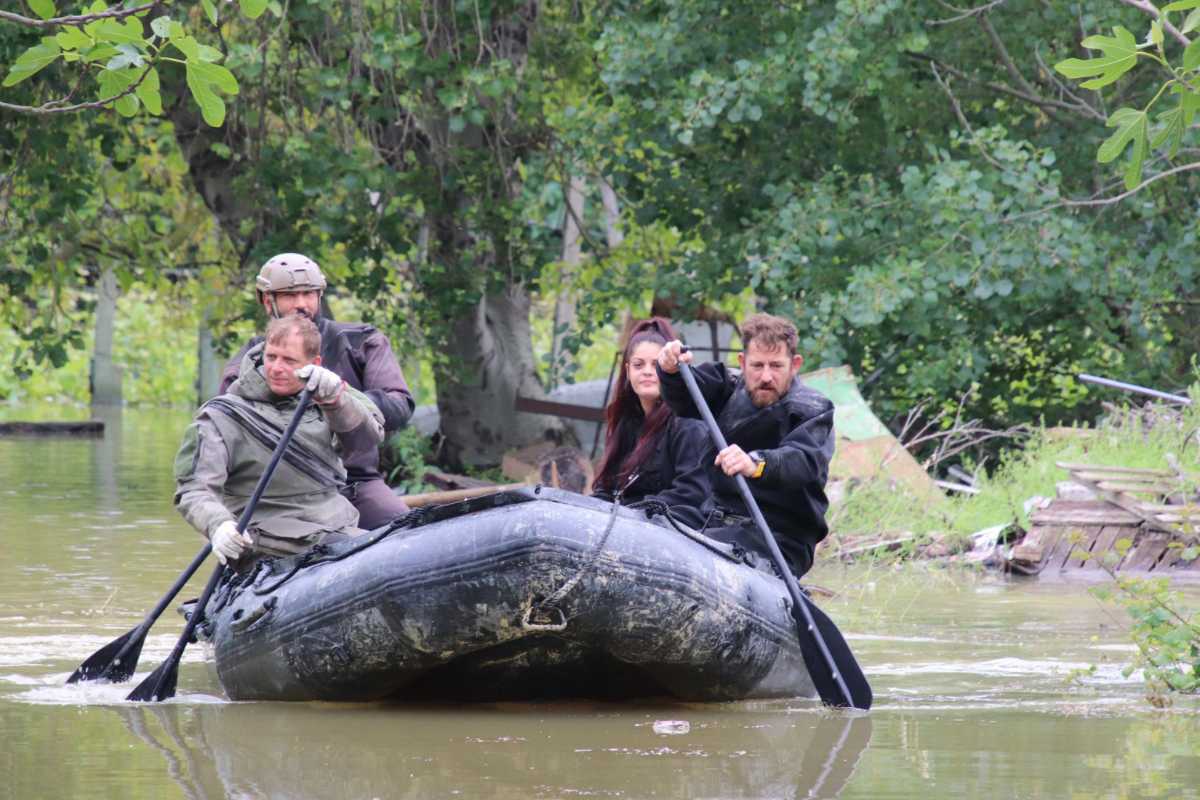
[(325, 385), (227, 543)]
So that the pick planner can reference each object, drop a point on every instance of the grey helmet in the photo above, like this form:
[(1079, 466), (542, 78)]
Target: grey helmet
[(290, 272)]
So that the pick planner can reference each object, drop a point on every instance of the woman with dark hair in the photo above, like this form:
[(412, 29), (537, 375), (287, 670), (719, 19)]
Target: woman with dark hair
[(649, 453)]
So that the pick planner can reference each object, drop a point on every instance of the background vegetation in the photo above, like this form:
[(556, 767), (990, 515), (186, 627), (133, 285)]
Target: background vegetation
[(913, 182)]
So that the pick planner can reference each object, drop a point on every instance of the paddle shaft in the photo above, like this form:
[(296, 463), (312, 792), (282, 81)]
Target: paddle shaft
[(140, 631), (243, 521), (789, 580)]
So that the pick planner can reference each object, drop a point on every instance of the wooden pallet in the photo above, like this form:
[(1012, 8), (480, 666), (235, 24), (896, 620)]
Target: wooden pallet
[(1071, 536)]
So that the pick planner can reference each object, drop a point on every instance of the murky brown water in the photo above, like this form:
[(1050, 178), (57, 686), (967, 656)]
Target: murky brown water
[(970, 675)]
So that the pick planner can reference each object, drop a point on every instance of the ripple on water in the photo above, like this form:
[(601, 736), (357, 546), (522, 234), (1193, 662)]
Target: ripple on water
[(1005, 668), (26, 651)]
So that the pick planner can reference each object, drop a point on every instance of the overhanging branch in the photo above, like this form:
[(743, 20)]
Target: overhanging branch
[(75, 20)]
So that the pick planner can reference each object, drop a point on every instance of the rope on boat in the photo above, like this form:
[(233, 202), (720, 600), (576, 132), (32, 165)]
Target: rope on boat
[(549, 605)]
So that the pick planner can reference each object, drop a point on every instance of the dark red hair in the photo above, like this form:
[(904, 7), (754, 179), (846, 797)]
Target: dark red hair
[(632, 435)]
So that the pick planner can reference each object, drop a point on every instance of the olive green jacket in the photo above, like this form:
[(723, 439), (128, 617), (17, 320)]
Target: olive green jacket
[(222, 459)]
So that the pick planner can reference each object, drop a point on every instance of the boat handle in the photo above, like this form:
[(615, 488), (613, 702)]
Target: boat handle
[(528, 624), (240, 624)]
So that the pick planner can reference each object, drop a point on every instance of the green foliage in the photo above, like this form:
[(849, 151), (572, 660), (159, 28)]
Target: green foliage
[(405, 457), (1167, 635), (154, 346), (122, 57), (1181, 89)]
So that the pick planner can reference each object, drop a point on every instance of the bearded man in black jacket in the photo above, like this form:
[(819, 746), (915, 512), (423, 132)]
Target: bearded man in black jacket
[(780, 435)]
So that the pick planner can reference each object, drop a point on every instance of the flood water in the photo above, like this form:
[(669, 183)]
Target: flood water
[(971, 678)]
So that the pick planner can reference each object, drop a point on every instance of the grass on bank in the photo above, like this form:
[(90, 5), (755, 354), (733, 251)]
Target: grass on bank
[(1123, 439)]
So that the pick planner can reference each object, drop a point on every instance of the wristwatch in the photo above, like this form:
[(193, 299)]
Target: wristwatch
[(760, 463)]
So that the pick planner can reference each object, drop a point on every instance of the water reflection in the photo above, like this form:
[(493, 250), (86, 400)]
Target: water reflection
[(317, 751)]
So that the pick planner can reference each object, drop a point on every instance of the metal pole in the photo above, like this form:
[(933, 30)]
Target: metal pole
[(1129, 387)]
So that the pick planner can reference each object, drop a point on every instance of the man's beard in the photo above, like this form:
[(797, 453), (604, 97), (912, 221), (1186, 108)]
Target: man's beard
[(761, 398)]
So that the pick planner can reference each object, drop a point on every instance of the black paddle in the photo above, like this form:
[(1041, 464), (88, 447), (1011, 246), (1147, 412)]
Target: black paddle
[(117, 660), (160, 684), (834, 671)]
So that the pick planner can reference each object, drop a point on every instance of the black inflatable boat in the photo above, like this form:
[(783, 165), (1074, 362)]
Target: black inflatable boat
[(533, 593)]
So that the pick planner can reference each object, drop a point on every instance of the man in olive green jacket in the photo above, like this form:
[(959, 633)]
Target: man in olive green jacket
[(230, 441)]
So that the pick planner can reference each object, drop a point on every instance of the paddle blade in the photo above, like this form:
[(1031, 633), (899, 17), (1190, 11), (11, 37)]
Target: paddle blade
[(114, 662), (852, 674), (158, 685)]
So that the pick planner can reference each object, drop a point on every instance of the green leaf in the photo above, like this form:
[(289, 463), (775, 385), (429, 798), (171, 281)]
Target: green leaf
[(113, 83), (215, 75), (100, 52), (33, 61), (188, 46), (127, 56), (1191, 22), (127, 106), (70, 38), (253, 8), (1130, 124), (1137, 157), (1180, 5), (1156, 34), (201, 78), (1191, 55), (43, 8), (161, 27), (206, 53), (1191, 104), (128, 31), (148, 91), (210, 10), (1119, 54), (1171, 129)]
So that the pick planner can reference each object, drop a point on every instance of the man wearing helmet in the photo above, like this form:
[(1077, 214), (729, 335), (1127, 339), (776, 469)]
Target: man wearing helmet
[(290, 283)]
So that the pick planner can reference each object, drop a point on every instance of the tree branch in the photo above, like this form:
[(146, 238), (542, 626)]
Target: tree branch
[(1149, 8), (53, 106), (76, 20), (1036, 100), (1104, 201), (1005, 58), (962, 119), (963, 13)]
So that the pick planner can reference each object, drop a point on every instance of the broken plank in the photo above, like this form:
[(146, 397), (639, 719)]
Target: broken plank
[(1106, 541), (1127, 486), (1146, 552), (1083, 513), (1072, 539), (1165, 473)]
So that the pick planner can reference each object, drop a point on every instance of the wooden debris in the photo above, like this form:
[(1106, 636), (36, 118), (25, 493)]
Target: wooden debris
[(438, 498), (90, 427), (1130, 505)]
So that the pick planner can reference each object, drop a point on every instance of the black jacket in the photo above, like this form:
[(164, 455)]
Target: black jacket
[(795, 437), (363, 357), (674, 475)]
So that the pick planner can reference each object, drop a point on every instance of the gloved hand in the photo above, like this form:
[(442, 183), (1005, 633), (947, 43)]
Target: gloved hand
[(325, 385), (227, 543)]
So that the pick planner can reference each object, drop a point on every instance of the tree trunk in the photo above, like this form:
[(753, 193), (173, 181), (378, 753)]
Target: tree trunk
[(561, 359), (490, 362), (612, 215), (106, 376), (208, 365)]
